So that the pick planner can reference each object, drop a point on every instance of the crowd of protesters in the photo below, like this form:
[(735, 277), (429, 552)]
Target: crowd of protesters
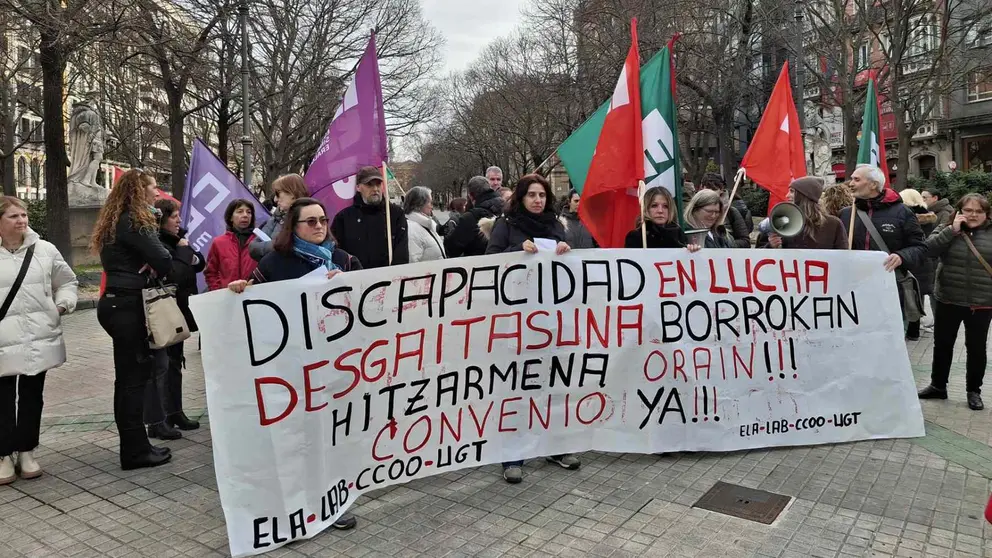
[(936, 250)]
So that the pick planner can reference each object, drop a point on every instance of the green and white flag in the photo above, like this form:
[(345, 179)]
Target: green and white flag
[(662, 166), (872, 148)]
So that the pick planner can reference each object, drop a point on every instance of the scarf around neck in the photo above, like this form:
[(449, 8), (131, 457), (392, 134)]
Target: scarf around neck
[(319, 255), (541, 225)]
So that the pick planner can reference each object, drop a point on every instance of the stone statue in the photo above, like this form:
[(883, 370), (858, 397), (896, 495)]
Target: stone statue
[(86, 146), (817, 144)]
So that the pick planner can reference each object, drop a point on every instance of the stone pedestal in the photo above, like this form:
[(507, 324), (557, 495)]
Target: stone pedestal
[(83, 195), (82, 219)]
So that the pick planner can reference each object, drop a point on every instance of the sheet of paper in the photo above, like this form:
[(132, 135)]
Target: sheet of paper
[(259, 234), (545, 244)]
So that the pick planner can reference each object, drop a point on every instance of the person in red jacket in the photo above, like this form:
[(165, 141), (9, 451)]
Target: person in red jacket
[(228, 259)]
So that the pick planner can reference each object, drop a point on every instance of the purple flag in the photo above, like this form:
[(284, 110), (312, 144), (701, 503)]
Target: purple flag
[(356, 137), (210, 187)]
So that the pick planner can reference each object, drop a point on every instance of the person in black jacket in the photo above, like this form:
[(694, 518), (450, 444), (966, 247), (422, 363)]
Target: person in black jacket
[(895, 223), (661, 226), (126, 238), (530, 216), (361, 228), (163, 397), (467, 239), (735, 223)]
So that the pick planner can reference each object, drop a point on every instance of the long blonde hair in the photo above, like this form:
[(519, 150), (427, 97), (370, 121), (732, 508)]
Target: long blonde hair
[(127, 196), (700, 200), (649, 196)]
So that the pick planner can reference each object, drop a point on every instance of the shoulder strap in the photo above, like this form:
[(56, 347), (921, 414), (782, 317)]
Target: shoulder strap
[(17, 282), (974, 251), (433, 237), (873, 231)]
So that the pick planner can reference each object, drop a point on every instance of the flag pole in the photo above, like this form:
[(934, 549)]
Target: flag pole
[(644, 227), (850, 227), (545, 162), (389, 221), (741, 175)]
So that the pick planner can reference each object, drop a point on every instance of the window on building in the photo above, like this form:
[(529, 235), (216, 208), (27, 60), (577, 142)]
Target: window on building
[(22, 173), (978, 31), (36, 178), (980, 85), (863, 59)]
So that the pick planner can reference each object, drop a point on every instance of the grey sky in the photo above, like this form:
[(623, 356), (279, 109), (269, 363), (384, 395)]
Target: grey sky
[(469, 25)]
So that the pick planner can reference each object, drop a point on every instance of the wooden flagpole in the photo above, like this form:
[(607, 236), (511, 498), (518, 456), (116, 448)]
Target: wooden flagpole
[(850, 226), (641, 190), (389, 221), (741, 175)]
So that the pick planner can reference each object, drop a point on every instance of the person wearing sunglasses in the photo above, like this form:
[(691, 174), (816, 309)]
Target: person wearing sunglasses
[(303, 245)]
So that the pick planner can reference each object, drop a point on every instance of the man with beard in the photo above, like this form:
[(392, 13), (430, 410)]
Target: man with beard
[(467, 239), (360, 229)]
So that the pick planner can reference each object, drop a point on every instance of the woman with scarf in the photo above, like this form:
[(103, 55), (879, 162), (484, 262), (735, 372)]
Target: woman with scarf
[(530, 218), (285, 190), (304, 244), (229, 258), (661, 227), (164, 396)]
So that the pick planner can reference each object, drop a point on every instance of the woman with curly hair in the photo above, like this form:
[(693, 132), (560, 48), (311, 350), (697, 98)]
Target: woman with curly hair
[(836, 197), (126, 237)]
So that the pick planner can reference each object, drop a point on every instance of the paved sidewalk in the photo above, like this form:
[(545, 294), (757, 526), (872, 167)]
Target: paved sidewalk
[(910, 498)]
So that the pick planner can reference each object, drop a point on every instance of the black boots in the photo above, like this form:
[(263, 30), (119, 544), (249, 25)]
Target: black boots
[(931, 392), (975, 401), (182, 422), (152, 458), (163, 431)]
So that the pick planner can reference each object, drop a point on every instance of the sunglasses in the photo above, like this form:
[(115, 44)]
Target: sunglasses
[(312, 222)]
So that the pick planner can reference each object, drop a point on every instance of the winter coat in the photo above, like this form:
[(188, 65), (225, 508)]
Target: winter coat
[(668, 236), (831, 236), (31, 332), (283, 266), (258, 247), (961, 278), (186, 263), (925, 271), (745, 212), (129, 252), (738, 229), (467, 238), (718, 239), (897, 225), (425, 244), (576, 234), (507, 237), (360, 230), (228, 260), (944, 212)]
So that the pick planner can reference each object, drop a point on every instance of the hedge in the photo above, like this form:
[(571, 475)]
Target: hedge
[(953, 185), (37, 217)]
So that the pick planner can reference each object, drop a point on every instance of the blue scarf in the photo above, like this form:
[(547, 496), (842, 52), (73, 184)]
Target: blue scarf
[(317, 254)]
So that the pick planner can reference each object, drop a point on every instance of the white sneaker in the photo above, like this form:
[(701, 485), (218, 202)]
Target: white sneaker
[(29, 467), (7, 475)]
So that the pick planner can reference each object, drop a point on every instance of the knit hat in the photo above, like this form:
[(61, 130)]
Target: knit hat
[(809, 186)]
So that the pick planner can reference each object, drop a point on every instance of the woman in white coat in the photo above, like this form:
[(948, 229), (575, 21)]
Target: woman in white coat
[(425, 244), (30, 334)]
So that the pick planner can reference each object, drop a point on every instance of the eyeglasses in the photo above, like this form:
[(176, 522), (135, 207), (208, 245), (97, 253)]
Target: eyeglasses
[(969, 211), (312, 222), (710, 211)]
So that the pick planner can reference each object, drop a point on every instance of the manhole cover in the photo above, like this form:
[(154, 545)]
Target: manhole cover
[(743, 502)]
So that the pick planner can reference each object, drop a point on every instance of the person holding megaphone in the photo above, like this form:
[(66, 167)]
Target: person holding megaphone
[(803, 223)]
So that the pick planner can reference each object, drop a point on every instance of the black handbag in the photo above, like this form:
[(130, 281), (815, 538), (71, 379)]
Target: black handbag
[(909, 287)]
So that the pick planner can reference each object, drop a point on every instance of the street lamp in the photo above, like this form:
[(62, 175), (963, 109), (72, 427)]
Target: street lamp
[(245, 98)]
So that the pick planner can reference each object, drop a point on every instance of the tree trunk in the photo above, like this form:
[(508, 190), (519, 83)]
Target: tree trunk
[(9, 126), (851, 127), (53, 62), (177, 143)]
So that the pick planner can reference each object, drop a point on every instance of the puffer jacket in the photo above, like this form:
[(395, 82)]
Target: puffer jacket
[(31, 333), (961, 278), (258, 247), (467, 238), (944, 212), (896, 224), (425, 244)]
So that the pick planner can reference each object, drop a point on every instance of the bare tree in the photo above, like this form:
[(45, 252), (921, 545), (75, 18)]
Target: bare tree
[(19, 95), (64, 27)]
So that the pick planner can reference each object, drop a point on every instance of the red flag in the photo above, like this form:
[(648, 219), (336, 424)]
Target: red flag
[(609, 204), (776, 156), (117, 175)]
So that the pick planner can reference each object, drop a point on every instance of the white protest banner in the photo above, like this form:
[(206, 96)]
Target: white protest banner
[(320, 390)]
